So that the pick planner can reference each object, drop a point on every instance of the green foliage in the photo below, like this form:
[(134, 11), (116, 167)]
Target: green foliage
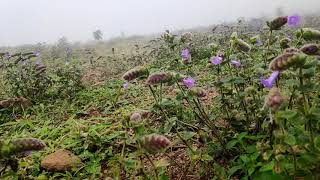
[(224, 127)]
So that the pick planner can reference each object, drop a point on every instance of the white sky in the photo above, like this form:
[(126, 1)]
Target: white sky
[(32, 21)]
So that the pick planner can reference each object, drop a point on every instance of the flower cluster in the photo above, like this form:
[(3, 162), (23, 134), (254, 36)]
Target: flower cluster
[(186, 56)]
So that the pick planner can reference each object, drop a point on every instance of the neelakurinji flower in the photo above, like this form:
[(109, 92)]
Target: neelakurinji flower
[(268, 83), (189, 82), (185, 54), (259, 42), (38, 63), (216, 60), (36, 53), (7, 55), (126, 85), (235, 63), (294, 21), (68, 51)]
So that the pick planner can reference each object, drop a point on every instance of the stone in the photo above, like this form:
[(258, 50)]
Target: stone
[(18, 102), (61, 160)]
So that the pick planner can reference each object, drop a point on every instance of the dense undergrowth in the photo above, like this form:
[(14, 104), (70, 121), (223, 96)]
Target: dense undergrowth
[(193, 106)]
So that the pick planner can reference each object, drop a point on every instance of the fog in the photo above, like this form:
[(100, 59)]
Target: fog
[(32, 21)]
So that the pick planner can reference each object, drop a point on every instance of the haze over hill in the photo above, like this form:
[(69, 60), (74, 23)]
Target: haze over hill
[(35, 21)]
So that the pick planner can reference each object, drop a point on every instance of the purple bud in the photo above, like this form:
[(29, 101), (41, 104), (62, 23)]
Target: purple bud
[(259, 42), (68, 51), (185, 54), (7, 55), (268, 83), (235, 63), (126, 85), (38, 63), (36, 53)]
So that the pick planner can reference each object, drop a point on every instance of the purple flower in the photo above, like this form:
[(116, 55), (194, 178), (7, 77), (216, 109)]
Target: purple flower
[(294, 21), (235, 63), (216, 60), (36, 53), (126, 85), (189, 82), (185, 54), (68, 51), (259, 42), (38, 63), (268, 83), (7, 55)]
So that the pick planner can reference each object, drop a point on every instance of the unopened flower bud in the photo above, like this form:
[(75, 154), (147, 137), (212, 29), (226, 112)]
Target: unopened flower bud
[(274, 99), (155, 143), (308, 34), (277, 23), (161, 77), (284, 43), (135, 73), (311, 49), (199, 92), (185, 37), (291, 50), (287, 60), (241, 45)]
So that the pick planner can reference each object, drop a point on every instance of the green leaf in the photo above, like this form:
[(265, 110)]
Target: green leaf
[(241, 135), (239, 80), (231, 144), (234, 169), (267, 167), (250, 149), (251, 170), (290, 139), (130, 163), (206, 157), (287, 114), (245, 158), (164, 177), (169, 124), (114, 135), (317, 142), (268, 175), (187, 135)]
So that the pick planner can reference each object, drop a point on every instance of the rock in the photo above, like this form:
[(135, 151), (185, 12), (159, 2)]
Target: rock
[(19, 102), (61, 160)]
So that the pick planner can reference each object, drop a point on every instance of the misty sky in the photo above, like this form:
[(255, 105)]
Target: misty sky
[(32, 21)]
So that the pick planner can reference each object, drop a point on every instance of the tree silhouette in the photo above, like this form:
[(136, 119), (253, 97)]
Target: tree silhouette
[(97, 35)]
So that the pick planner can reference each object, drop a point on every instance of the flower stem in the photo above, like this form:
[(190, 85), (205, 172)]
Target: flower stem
[(153, 165)]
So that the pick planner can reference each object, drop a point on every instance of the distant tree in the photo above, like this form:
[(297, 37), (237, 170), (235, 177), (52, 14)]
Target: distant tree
[(58, 50), (63, 43), (97, 35)]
